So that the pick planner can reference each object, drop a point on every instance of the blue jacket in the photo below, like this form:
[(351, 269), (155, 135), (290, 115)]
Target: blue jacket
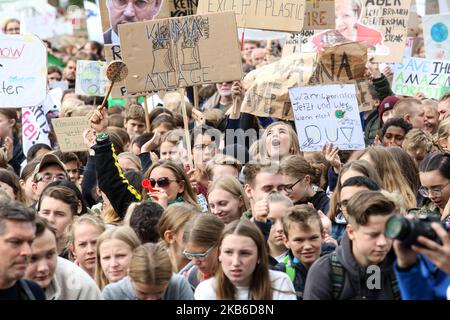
[(422, 281)]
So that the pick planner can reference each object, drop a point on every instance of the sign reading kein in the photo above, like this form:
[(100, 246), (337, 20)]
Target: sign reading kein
[(327, 114), (278, 15), (23, 71), (180, 52)]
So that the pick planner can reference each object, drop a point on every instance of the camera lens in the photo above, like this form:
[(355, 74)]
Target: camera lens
[(396, 227)]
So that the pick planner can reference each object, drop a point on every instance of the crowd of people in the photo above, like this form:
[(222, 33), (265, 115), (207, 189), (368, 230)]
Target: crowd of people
[(133, 218)]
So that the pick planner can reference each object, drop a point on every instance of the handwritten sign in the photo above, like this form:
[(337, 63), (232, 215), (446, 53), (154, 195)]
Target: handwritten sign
[(298, 42), (69, 133), (436, 36), (91, 79), (381, 24), (327, 114), (23, 71), (180, 52), (319, 14), (267, 87), (416, 75), (180, 8), (276, 15), (341, 63)]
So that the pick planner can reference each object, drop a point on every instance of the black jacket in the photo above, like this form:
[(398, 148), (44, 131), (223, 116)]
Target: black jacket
[(111, 179), (319, 283)]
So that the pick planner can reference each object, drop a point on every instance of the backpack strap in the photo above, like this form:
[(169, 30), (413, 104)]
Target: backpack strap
[(289, 269), (337, 275), (25, 290), (394, 286)]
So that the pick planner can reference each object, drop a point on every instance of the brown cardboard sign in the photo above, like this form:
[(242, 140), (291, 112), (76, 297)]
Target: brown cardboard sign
[(69, 133), (181, 52), (341, 63), (319, 14), (276, 15), (267, 87), (180, 8)]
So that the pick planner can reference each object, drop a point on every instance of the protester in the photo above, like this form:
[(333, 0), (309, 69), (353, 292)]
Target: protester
[(9, 138), (17, 225), (243, 272)]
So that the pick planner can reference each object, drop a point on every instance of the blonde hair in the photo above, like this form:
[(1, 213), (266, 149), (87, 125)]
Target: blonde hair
[(294, 148), (391, 174), (150, 264), (231, 185), (69, 105), (443, 131), (418, 142), (123, 233), (132, 157), (175, 217), (89, 219), (221, 160)]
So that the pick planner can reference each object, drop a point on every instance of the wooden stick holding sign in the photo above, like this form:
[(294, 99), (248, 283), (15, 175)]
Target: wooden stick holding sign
[(147, 116), (115, 71), (196, 97), (186, 129)]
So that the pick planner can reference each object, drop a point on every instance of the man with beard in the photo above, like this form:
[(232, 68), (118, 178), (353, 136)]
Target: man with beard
[(70, 72), (121, 11), (17, 227), (222, 99)]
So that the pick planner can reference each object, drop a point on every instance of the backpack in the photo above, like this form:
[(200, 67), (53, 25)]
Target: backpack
[(25, 291), (338, 278)]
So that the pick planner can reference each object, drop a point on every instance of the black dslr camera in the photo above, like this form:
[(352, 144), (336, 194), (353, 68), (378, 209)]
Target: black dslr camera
[(407, 231)]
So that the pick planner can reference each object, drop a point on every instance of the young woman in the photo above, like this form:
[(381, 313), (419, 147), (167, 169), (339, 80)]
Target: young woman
[(26, 183), (59, 205), (82, 241), (201, 237), (114, 250), (227, 199), (434, 172), (171, 230), (394, 131), (171, 184), (443, 135), (279, 140), (243, 273), (149, 278), (171, 147), (298, 177), (390, 173)]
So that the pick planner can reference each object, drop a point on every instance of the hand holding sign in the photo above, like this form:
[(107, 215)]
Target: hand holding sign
[(116, 71)]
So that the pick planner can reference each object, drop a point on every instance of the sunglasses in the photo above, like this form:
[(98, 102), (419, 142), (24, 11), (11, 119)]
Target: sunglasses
[(199, 256), (162, 182)]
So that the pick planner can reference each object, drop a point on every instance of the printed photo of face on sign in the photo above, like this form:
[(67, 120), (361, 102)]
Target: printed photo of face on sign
[(115, 12), (349, 28)]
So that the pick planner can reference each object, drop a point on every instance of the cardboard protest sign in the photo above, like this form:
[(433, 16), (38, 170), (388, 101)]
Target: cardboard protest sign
[(180, 52), (267, 87), (319, 14), (180, 8), (23, 71), (69, 133), (277, 15), (298, 42), (341, 63), (381, 24), (436, 36), (327, 114), (91, 79), (416, 75)]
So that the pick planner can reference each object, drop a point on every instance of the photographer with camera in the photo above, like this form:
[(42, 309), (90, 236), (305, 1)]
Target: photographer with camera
[(423, 257)]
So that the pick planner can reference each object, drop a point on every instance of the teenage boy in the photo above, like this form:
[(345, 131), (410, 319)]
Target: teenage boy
[(304, 236), (362, 265)]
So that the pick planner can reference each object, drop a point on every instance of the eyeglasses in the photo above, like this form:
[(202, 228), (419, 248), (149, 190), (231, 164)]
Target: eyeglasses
[(211, 146), (162, 182), (48, 177), (437, 190), (199, 256), (290, 187), (140, 4)]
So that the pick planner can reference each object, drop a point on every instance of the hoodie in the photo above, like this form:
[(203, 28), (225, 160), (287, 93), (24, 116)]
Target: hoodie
[(357, 279), (178, 289)]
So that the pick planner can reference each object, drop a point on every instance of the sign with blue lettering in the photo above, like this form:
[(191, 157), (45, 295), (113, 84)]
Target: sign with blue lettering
[(23, 71), (327, 114)]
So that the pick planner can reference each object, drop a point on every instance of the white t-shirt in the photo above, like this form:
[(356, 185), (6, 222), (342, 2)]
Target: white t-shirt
[(284, 289)]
